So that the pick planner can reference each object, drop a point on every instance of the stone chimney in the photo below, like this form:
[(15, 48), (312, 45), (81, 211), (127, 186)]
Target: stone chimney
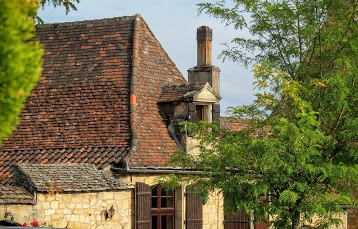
[(204, 71), (204, 39)]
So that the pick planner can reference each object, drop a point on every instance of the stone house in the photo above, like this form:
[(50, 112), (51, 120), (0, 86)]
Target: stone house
[(100, 127)]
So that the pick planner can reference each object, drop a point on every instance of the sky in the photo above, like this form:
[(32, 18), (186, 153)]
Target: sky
[(174, 23)]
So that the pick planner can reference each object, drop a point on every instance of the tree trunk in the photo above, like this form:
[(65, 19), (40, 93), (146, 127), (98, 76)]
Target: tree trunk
[(296, 220)]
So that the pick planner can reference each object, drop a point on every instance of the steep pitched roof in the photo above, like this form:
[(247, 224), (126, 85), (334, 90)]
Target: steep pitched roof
[(155, 70), (82, 98), (80, 110)]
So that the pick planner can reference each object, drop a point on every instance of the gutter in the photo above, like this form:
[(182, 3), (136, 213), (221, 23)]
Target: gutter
[(155, 170)]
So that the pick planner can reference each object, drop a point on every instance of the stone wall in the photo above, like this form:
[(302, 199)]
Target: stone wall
[(86, 210), (78, 210), (213, 212), (341, 216)]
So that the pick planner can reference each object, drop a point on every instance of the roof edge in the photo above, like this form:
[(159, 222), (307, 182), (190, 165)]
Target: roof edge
[(133, 90), (84, 22)]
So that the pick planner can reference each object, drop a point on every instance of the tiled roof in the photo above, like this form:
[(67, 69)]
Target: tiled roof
[(101, 157), (82, 98), (233, 124), (15, 195), (66, 178), (79, 111), (179, 93)]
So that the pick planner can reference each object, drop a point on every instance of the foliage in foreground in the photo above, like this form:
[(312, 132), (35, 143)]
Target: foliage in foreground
[(20, 60), (67, 4), (297, 156)]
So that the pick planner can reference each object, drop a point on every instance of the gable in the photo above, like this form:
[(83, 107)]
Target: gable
[(206, 95)]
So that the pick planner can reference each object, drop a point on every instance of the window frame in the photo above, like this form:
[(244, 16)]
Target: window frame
[(160, 211)]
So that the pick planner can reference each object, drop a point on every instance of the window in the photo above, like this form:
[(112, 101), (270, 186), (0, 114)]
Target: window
[(199, 113), (162, 208), (202, 112), (155, 208)]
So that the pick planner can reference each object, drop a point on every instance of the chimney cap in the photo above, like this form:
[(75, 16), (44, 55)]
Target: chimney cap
[(204, 33)]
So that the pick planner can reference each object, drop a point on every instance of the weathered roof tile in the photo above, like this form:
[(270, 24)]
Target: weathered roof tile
[(179, 93), (15, 195), (65, 178), (51, 156), (82, 99)]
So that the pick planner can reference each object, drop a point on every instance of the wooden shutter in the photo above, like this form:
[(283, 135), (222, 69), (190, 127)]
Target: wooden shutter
[(192, 109), (216, 114), (261, 225), (194, 211), (241, 220), (192, 116), (143, 206)]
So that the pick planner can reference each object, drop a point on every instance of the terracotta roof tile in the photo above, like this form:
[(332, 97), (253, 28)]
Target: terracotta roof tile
[(156, 70), (83, 95), (233, 124), (79, 111), (82, 99)]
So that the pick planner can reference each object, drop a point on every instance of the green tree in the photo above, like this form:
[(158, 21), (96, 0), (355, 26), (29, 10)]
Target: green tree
[(20, 56), (297, 158), (20, 60), (67, 4)]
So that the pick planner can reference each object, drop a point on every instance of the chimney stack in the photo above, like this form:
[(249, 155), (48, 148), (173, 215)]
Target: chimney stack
[(204, 72), (204, 38)]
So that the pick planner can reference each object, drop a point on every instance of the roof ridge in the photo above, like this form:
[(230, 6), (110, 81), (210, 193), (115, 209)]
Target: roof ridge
[(85, 22)]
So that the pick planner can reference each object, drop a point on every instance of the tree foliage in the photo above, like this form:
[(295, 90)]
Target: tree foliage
[(297, 157), (67, 4), (20, 60)]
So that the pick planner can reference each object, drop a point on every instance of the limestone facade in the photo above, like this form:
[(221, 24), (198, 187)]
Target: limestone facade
[(86, 210), (76, 210)]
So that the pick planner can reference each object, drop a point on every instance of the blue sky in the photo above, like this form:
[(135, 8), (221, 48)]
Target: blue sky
[(174, 23)]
